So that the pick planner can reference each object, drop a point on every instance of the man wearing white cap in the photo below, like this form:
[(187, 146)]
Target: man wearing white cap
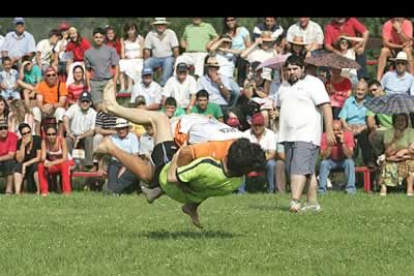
[(161, 48), (400, 80), (18, 43)]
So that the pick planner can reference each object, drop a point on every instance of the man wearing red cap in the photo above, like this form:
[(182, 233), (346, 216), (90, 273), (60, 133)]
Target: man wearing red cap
[(266, 138), (51, 97)]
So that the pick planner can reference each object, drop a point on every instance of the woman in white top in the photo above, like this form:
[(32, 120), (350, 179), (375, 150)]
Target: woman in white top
[(132, 53), (344, 46)]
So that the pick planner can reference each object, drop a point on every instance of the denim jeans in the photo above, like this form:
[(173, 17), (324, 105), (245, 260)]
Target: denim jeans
[(121, 184), (347, 165), (167, 64)]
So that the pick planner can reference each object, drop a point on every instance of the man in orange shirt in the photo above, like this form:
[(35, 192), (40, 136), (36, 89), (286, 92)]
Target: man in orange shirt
[(397, 34), (51, 97)]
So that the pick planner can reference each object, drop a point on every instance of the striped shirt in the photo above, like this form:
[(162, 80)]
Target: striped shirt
[(105, 121)]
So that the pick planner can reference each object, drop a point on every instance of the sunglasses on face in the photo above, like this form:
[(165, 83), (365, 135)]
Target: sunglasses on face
[(400, 63), (25, 133), (4, 128), (85, 101), (51, 75), (51, 134), (231, 20)]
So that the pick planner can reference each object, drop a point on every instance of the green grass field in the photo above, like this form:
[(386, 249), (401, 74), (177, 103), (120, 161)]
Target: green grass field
[(92, 234)]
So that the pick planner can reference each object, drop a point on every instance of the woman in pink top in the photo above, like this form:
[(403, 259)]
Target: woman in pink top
[(339, 89), (79, 85)]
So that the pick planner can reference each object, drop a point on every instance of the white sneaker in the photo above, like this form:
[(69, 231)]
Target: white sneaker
[(294, 206), (315, 207)]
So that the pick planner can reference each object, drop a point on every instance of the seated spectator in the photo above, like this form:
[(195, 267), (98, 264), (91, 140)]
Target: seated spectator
[(8, 80), (348, 26), (148, 88), (400, 80), (261, 50), (240, 37), (353, 117), (104, 127), (54, 160), (170, 108), (298, 47), (132, 57), (101, 63), (397, 34), (78, 86), (399, 155), (195, 41), (51, 99), (4, 110), (266, 138), (30, 75), (217, 86), (120, 178), (182, 87), (221, 50), (344, 46), (45, 54), (112, 40), (269, 25), (204, 106), (60, 50), (29, 149), (376, 131), (161, 48), (79, 123), (339, 89), (338, 156), (19, 114), (8, 143), (310, 31), (146, 143), (137, 129), (18, 43), (77, 45)]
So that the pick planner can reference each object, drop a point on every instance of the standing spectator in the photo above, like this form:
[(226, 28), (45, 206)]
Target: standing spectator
[(132, 56), (45, 54), (8, 80), (204, 106), (79, 123), (77, 45), (51, 99), (182, 87), (240, 37), (78, 86), (30, 75), (161, 48), (8, 142), (195, 39), (28, 154), (269, 25), (311, 32), (54, 160), (102, 60), (120, 178), (348, 26), (112, 40), (148, 88), (301, 131), (266, 138), (18, 43), (339, 89), (338, 155), (218, 86), (397, 34), (399, 81)]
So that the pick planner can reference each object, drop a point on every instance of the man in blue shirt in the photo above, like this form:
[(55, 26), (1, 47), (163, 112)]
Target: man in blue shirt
[(399, 81)]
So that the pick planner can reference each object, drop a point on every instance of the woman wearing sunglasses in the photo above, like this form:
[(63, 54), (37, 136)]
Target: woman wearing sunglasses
[(54, 160), (27, 156)]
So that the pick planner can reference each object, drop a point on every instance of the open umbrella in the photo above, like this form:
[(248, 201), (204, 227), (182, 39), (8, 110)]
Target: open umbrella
[(391, 104), (333, 60), (274, 62)]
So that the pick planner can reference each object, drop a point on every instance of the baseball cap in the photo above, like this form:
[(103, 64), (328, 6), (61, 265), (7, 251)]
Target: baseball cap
[(233, 122), (85, 96), (258, 119), (182, 67), (18, 20), (147, 71)]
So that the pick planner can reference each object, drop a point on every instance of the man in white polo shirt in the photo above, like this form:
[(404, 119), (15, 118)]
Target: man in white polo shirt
[(303, 102), (148, 88)]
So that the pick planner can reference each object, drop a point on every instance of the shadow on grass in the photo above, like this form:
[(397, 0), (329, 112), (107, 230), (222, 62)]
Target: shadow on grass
[(270, 207), (167, 235)]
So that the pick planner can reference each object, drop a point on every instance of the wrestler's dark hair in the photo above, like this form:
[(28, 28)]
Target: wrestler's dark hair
[(245, 157)]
